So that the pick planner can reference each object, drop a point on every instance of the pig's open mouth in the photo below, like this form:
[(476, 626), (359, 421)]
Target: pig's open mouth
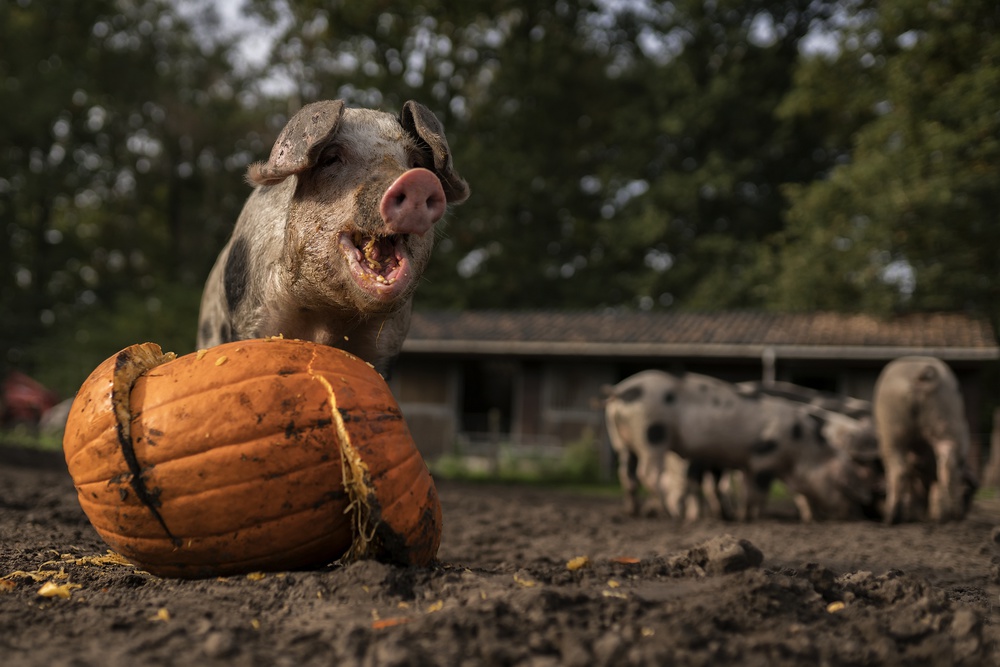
[(380, 265)]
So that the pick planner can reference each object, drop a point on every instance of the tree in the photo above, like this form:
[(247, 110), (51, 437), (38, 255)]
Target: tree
[(124, 137), (721, 153), (909, 220)]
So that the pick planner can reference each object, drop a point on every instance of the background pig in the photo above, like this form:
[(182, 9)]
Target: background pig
[(923, 439), (653, 417), (332, 242), (855, 408), (844, 422)]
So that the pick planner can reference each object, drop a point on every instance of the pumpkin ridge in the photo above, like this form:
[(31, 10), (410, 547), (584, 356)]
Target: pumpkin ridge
[(80, 451), (387, 509), (396, 540), (146, 466), (208, 389), (221, 487), (263, 440)]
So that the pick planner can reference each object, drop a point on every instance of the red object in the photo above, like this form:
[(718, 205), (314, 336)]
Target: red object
[(24, 400)]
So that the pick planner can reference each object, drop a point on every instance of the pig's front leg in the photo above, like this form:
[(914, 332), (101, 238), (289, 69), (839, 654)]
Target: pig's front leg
[(628, 464)]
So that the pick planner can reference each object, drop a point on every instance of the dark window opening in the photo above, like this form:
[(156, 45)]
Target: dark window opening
[(487, 396)]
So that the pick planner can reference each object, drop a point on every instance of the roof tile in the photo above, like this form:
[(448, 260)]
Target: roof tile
[(930, 330)]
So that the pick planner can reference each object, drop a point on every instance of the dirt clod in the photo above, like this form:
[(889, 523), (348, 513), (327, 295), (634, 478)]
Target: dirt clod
[(719, 555)]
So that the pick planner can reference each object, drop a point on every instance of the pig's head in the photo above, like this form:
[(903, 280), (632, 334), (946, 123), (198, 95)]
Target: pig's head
[(368, 188), (836, 486)]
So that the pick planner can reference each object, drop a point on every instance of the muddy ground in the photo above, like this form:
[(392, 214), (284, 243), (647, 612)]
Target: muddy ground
[(653, 591)]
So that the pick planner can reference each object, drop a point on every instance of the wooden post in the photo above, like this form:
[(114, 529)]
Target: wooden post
[(768, 361)]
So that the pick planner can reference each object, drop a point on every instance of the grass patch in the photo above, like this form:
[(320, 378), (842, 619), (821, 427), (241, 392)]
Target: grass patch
[(987, 493), (577, 465), (28, 438), (609, 490)]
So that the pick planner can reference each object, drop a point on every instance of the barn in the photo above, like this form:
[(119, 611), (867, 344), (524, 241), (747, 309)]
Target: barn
[(531, 378)]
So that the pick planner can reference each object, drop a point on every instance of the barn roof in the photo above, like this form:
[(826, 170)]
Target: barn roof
[(740, 334)]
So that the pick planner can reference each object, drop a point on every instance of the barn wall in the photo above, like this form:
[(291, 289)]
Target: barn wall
[(427, 389)]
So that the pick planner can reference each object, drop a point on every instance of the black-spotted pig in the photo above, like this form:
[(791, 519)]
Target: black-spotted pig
[(331, 244)]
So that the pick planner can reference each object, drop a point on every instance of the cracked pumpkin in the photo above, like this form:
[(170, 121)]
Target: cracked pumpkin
[(265, 454)]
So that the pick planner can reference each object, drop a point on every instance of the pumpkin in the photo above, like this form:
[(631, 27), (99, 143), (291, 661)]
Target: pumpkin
[(255, 455)]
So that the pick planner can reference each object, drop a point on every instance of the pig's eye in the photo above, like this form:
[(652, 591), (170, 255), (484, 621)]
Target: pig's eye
[(328, 159)]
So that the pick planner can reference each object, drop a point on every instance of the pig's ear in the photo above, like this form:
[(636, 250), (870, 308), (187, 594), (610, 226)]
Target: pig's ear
[(424, 125), (298, 146)]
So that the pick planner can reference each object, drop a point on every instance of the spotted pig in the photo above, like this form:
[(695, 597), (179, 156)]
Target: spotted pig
[(332, 242)]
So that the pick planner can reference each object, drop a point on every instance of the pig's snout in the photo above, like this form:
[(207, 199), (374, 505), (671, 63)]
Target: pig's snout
[(413, 203)]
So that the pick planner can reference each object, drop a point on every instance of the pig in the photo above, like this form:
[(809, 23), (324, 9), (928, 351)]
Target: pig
[(923, 440), (845, 422), (655, 418), (332, 242)]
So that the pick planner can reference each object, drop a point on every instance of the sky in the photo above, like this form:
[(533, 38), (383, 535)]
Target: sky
[(258, 37)]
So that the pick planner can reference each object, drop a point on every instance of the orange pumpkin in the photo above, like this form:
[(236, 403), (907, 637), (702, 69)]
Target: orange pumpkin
[(255, 455)]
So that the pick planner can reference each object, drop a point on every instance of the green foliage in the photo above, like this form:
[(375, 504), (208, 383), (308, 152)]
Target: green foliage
[(68, 354), (124, 136), (920, 188)]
